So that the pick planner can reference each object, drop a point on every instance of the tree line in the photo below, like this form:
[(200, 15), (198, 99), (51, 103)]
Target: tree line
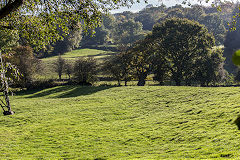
[(178, 50), (128, 27)]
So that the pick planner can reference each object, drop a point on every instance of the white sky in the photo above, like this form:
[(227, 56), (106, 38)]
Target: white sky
[(139, 6)]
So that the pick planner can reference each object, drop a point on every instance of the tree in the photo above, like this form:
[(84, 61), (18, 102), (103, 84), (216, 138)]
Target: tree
[(118, 66), (195, 12), (128, 32), (69, 42), (8, 40), (85, 70), (147, 20), (22, 57), (149, 16), (215, 25), (38, 21), (160, 69), (68, 69), (209, 68), (59, 66), (142, 54), (99, 38), (181, 42)]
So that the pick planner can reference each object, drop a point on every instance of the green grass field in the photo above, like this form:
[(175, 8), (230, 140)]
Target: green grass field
[(98, 54), (151, 122), (47, 71)]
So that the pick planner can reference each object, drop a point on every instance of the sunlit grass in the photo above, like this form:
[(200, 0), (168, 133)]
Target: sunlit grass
[(151, 122), (48, 71), (98, 54)]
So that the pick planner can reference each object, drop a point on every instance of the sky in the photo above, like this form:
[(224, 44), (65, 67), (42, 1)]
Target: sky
[(139, 6)]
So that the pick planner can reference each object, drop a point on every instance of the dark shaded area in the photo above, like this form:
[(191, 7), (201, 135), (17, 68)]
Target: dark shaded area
[(99, 159), (5, 113), (68, 91), (237, 122)]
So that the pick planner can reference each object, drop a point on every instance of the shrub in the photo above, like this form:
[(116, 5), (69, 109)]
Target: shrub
[(85, 70), (59, 65), (68, 69), (22, 57)]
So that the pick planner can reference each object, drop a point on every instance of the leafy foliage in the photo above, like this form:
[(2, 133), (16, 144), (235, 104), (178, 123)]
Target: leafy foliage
[(22, 57), (141, 60), (85, 70), (59, 66), (128, 32), (118, 66), (181, 43), (38, 22)]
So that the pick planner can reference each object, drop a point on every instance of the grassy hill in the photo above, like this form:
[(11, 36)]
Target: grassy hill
[(71, 122), (47, 71), (98, 54)]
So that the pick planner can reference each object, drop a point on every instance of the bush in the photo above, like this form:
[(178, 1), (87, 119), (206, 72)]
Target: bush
[(41, 84), (22, 57), (85, 70), (59, 66), (68, 69)]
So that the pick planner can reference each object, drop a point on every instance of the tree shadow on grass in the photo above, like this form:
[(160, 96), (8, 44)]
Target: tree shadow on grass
[(83, 90), (66, 91)]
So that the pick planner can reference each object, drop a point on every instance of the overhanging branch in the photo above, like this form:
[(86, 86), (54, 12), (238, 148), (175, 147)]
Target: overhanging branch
[(10, 7)]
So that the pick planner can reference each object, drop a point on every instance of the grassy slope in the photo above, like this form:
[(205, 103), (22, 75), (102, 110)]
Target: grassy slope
[(122, 123), (48, 71), (80, 53)]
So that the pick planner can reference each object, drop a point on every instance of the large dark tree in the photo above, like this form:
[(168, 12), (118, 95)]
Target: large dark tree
[(118, 66), (181, 42), (209, 69), (141, 55)]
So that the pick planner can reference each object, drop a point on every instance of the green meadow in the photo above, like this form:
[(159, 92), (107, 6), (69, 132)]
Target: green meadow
[(98, 54), (47, 71), (106, 122)]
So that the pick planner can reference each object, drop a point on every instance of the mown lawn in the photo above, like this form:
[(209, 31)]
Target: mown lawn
[(151, 122)]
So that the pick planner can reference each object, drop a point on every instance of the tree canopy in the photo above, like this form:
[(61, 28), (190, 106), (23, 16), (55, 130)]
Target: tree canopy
[(181, 43), (38, 21)]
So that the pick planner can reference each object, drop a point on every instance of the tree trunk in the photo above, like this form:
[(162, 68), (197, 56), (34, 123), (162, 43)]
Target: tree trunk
[(125, 81), (161, 83), (5, 90), (178, 82), (141, 80), (119, 83), (60, 77)]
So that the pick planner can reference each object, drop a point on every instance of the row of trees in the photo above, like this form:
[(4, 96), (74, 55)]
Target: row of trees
[(178, 50), (84, 70), (128, 27)]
